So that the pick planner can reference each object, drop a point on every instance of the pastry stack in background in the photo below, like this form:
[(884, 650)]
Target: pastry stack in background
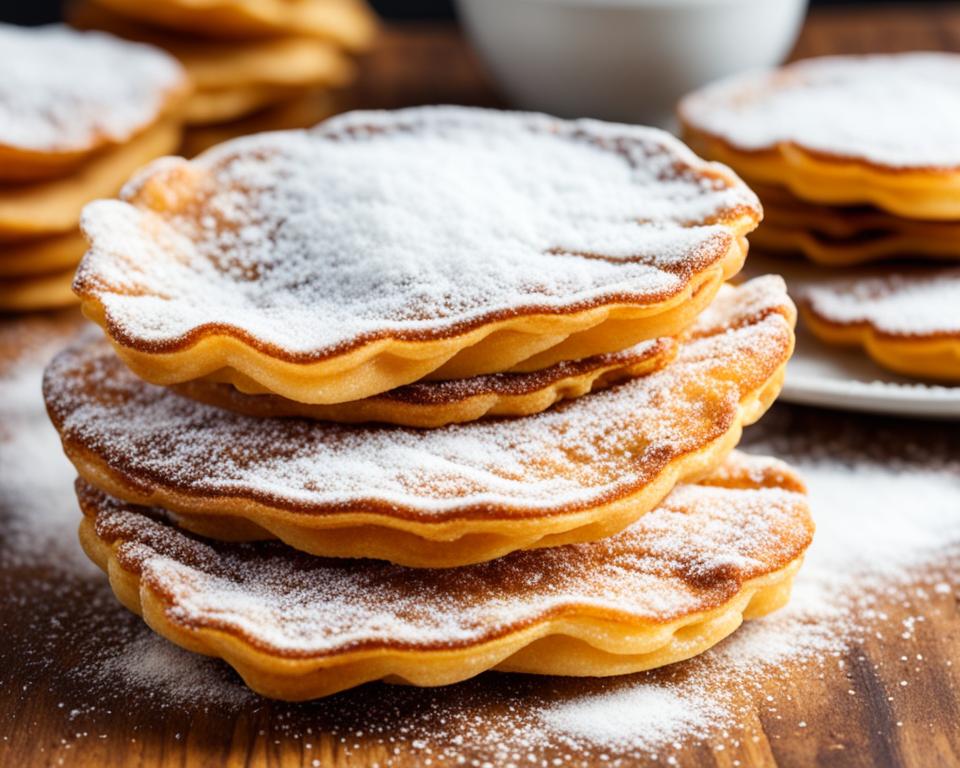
[(79, 113), (857, 162), (414, 395), (256, 65)]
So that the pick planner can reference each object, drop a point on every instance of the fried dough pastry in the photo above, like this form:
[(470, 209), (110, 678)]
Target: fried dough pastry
[(380, 248), (302, 111), (48, 291), (297, 627), (53, 206), (233, 79), (429, 498), (226, 104), (438, 403), (40, 257), (348, 23), (892, 243), (849, 235), (66, 95), (882, 130), (908, 323)]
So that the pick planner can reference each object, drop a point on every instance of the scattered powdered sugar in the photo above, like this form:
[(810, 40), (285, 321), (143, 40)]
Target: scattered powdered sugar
[(62, 90), (417, 223), (169, 673), (885, 524), (880, 525), (636, 717), (917, 519), (887, 516), (900, 110), (691, 554), (918, 303), (572, 457), (876, 528), (38, 508)]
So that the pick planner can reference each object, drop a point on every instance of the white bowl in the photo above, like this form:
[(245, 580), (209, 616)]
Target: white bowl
[(625, 60)]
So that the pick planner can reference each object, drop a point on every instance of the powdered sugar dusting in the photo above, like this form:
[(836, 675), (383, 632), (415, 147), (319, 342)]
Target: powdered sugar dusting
[(886, 504), (883, 563), (885, 520), (571, 457), (63, 90), (919, 303), (691, 554), (881, 524), (421, 222), (900, 110)]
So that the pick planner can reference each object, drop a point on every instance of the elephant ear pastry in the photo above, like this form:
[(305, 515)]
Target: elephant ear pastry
[(441, 497), (907, 322), (378, 249), (66, 95), (882, 130), (841, 236)]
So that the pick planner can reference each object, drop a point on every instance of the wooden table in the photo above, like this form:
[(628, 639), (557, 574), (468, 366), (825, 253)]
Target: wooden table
[(54, 619)]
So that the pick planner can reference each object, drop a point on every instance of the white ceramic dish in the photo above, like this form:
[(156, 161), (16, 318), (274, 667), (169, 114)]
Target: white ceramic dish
[(843, 378), (838, 377), (625, 60)]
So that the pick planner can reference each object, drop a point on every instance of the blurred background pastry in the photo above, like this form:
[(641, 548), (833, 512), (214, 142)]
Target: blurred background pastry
[(255, 64), (79, 113)]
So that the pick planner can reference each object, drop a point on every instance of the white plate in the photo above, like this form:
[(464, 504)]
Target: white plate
[(844, 377)]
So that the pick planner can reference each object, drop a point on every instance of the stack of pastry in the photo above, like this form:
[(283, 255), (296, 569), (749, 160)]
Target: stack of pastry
[(414, 395), (256, 65), (78, 114), (856, 160)]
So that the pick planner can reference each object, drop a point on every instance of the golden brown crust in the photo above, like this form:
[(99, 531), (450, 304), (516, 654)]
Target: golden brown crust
[(234, 79), (847, 235), (300, 112), (459, 494), (904, 321), (349, 23), (711, 145), (846, 252), (822, 128), (429, 404), (27, 165), (414, 333), (918, 194), (622, 603), (212, 65), (824, 84), (883, 321), (53, 207)]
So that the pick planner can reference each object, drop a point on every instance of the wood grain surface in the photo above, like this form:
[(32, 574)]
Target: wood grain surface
[(891, 698)]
